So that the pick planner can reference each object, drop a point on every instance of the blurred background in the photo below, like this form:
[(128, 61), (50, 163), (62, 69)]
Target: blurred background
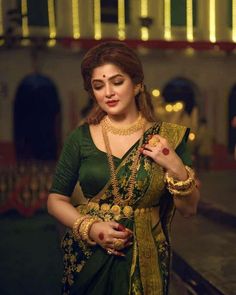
[(188, 51)]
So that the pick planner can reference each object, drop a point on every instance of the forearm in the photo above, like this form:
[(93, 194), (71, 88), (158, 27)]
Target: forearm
[(187, 205), (60, 207)]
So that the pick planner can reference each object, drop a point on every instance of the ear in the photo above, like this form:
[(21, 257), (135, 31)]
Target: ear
[(137, 88)]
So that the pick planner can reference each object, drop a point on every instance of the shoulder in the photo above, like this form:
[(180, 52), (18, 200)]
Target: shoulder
[(78, 133), (175, 133)]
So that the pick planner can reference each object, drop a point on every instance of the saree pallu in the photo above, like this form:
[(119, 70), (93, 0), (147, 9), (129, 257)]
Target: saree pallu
[(144, 270)]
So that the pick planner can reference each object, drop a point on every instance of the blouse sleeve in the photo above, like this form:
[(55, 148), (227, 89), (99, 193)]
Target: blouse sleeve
[(67, 169), (183, 151)]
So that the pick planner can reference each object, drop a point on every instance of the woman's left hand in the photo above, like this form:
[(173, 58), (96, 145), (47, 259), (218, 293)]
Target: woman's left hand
[(163, 154)]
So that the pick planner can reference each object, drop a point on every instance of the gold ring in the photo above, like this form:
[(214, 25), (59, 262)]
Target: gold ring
[(153, 141), (109, 252), (118, 244)]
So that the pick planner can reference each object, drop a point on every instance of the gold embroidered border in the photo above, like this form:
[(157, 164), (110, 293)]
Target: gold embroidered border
[(148, 257)]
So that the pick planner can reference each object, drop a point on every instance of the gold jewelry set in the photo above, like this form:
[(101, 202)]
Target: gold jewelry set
[(109, 212), (82, 226), (181, 188), (127, 130), (118, 199)]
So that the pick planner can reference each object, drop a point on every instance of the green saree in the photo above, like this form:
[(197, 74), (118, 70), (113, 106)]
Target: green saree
[(89, 270)]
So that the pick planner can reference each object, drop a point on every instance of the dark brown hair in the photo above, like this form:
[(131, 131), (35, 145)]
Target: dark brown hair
[(119, 54)]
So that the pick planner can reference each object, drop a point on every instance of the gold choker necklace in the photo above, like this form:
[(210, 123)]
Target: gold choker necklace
[(128, 130)]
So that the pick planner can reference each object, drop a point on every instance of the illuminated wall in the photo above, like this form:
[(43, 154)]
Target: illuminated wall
[(190, 20)]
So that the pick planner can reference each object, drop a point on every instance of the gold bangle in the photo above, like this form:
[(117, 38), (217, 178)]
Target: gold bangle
[(181, 193), (181, 187), (180, 183), (76, 226), (85, 228)]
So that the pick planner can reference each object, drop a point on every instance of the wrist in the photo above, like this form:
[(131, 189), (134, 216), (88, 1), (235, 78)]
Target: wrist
[(178, 171)]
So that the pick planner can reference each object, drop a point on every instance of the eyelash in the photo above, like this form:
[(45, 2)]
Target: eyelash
[(115, 83)]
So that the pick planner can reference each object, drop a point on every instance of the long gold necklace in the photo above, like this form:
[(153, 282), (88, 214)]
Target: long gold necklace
[(117, 197), (127, 130)]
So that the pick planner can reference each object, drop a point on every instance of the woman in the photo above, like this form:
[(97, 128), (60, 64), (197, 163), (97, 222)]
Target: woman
[(133, 173)]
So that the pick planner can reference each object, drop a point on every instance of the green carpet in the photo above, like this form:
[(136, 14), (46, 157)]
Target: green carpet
[(30, 255)]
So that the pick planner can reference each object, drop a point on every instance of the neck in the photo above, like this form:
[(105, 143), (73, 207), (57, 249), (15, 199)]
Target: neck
[(124, 119)]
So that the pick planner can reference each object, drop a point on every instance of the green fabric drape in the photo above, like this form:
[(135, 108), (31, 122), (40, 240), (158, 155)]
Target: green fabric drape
[(145, 267)]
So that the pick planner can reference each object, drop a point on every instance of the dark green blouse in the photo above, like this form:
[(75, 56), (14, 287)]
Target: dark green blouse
[(82, 161)]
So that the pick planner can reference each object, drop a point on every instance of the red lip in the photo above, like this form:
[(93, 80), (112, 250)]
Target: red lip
[(112, 103)]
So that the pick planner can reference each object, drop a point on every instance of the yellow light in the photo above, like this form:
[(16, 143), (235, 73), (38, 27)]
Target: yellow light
[(75, 19), (144, 13), (121, 19), (189, 20), (179, 106), (156, 92), (25, 26), (51, 42), (191, 136), (97, 20), (189, 51), (169, 108), (234, 20), (167, 19), (212, 21), (52, 23)]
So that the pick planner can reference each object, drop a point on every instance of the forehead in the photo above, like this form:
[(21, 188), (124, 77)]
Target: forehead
[(106, 71)]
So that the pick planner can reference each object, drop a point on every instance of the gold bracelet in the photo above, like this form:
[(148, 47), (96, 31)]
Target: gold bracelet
[(76, 226), (85, 228), (180, 193), (180, 184), (181, 187)]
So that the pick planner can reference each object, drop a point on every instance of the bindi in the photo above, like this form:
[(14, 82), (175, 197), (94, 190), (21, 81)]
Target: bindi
[(104, 76)]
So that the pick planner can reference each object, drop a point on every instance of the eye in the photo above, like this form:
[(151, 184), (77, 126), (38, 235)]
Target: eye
[(97, 86), (118, 82)]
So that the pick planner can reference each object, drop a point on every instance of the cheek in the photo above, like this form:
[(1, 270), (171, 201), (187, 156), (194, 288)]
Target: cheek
[(97, 96)]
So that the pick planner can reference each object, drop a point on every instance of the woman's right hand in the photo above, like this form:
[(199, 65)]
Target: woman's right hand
[(111, 236)]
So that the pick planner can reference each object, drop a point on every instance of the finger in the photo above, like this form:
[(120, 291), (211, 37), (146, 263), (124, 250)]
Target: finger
[(122, 234), (114, 225), (150, 147), (121, 227), (111, 251), (129, 243), (147, 153)]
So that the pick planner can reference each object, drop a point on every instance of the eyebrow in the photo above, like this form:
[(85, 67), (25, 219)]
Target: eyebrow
[(112, 77)]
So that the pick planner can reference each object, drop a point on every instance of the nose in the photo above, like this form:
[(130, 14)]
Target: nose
[(109, 91)]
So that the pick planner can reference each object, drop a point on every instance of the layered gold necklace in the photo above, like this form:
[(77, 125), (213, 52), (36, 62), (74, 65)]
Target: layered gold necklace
[(127, 130), (118, 199)]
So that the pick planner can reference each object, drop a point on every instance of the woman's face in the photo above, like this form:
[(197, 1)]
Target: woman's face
[(113, 89)]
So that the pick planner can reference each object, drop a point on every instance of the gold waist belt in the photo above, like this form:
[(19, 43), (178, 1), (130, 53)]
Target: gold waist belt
[(112, 212)]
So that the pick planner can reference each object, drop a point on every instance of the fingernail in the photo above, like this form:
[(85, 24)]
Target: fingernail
[(120, 254), (128, 244), (128, 230), (121, 227)]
